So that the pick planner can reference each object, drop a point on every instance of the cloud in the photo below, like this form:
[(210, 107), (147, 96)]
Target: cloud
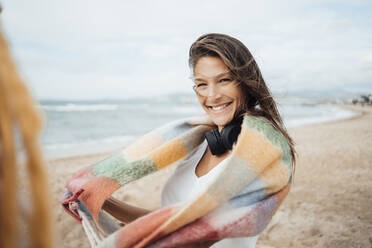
[(91, 49)]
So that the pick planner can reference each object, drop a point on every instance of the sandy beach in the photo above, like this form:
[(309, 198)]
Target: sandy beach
[(329, 204)]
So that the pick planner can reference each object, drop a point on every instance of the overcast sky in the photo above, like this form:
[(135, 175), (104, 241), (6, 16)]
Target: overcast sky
[(89, 49)]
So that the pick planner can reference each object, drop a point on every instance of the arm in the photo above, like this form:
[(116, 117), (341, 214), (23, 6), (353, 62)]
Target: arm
[(123, 211), (155, 151)]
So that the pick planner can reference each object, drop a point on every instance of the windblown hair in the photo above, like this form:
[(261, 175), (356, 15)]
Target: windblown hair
[(19, 119), (258, 99)]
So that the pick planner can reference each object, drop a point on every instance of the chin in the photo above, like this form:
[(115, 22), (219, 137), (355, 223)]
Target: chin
[(221, 121)]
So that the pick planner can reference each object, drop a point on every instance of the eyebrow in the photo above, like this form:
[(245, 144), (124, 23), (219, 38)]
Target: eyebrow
[(217, 76)]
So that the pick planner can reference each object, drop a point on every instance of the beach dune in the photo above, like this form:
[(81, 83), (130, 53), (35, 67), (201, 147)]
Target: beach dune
[(329, 204)]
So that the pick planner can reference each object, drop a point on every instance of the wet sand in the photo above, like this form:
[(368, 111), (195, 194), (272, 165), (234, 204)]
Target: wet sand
[(329, 204)]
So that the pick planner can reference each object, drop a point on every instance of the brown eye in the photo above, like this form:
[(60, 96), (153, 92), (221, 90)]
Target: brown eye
[(225, 80), (201, 85)]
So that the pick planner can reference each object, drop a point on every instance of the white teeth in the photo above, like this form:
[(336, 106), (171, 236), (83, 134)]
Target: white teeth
[(219, 107)]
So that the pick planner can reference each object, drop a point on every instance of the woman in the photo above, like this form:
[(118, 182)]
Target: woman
[(229, 87), (228, 83)]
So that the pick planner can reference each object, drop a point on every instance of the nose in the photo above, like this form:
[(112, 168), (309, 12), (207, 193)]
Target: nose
[(213, 90)]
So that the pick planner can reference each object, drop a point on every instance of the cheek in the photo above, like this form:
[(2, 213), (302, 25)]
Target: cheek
[(241, 98), (201, 101)]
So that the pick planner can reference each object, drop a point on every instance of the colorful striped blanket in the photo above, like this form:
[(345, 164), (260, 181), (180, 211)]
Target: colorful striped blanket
[(258, 170)]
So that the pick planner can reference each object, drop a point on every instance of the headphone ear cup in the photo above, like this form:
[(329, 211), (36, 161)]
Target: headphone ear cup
[(215, 142), (229, 135)]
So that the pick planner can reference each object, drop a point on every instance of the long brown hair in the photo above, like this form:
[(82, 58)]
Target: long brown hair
[(19, 118), (236, 56)]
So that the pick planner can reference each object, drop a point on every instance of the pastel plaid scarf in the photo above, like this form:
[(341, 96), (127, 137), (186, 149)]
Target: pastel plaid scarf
[(258, 170)]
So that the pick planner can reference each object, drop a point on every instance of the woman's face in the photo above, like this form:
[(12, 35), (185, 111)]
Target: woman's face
[(218, 92)]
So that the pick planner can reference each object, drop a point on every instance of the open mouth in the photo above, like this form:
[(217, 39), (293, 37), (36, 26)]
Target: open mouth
[(219, 107)]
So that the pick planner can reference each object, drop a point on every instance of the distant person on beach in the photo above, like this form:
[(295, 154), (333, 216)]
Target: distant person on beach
[(231, 90)]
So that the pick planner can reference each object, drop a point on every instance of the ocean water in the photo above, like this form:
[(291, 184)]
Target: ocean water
[(84, 127)]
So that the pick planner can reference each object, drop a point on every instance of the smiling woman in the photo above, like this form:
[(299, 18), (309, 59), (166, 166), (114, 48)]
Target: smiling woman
[(234, 164), (228, 84)]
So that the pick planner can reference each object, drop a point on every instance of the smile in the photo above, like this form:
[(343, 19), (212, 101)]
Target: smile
[(219, 107)]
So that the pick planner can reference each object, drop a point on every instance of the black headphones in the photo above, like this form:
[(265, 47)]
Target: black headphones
[(220, 143)]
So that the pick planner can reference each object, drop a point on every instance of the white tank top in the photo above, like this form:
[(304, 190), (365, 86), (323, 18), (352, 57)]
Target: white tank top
[(183, 185)]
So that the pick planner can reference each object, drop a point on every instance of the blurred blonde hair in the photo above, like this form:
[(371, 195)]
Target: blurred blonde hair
[(18, 117)]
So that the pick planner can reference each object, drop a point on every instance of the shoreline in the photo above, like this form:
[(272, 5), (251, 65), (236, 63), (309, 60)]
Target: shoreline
[(108, 152), (328, 206), (356, 110)]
